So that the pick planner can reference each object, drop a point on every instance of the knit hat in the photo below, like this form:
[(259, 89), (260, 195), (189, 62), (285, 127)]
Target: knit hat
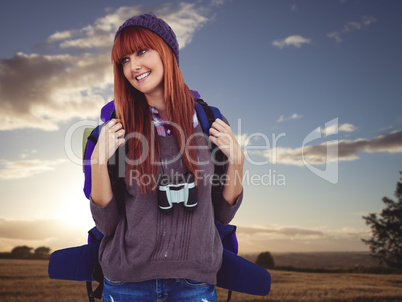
[(158, 26)]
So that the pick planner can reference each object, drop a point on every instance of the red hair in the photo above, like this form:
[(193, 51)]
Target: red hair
[(133, 109)]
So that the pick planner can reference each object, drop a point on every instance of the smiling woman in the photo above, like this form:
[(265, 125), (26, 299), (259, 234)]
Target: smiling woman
[(148, 250), (137, 51)]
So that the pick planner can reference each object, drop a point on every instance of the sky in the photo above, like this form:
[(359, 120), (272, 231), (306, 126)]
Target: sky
[(311, 88)]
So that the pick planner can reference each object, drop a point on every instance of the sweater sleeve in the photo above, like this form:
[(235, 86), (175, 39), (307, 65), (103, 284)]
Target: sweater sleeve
[(224, 211), (106, 218)]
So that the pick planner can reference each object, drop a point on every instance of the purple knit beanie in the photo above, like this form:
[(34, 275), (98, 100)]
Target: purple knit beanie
[(158, 26)]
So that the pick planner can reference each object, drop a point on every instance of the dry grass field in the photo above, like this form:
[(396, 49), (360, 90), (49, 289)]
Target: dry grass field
[(27, 280)]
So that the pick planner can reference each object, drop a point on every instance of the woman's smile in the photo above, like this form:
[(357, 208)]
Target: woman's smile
[(142, 76)]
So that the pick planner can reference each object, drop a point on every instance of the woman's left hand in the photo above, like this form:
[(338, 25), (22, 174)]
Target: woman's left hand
[(222, 136)]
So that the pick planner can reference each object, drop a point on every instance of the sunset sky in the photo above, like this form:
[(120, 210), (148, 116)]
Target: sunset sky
[(312, 88)]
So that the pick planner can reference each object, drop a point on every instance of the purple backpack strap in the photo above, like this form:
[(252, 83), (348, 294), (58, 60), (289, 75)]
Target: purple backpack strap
[(228, 236), (106, 114), (106, 111), (87, 166)]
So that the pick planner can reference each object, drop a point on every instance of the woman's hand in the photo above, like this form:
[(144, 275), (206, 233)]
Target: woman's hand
[(222, 136), (110, 138)]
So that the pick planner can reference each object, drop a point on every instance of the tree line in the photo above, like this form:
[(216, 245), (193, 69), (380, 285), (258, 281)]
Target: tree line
[(26, 252)]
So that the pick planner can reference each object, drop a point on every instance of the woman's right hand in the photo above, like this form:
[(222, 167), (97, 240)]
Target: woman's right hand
[(110, 138)]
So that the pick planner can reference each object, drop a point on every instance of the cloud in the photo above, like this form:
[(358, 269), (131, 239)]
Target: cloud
[(295, 238), (347, 127), (185, 20), (52, 233), (335, 35), (293, 7), (217, 2), (334, 129), (363, 23), (40, 91), (291, 40), (347, 150), (385, 130), (38, 229), (294, 116), (26, 168), (285, 231), (57, 36), (27, 153)]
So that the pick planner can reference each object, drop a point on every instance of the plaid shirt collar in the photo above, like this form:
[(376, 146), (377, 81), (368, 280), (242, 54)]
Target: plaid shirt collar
[(162, 127)]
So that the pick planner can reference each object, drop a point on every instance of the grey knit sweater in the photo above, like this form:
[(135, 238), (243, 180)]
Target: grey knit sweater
[(143, 242)]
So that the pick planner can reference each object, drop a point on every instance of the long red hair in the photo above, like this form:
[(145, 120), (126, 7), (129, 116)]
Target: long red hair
[(133, 109)]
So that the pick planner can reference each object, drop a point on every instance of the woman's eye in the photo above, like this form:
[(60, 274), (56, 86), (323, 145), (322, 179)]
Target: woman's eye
[(141, 52), (124, 60)]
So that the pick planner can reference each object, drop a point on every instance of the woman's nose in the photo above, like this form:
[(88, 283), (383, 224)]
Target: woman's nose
[(135, 63)]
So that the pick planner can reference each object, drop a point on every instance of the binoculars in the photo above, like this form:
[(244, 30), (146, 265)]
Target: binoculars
[(178, 189)]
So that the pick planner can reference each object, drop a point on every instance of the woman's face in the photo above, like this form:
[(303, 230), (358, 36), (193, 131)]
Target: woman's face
[(144, 70)]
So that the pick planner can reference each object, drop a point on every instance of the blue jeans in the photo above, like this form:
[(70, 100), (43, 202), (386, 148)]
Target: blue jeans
[(159, 290)]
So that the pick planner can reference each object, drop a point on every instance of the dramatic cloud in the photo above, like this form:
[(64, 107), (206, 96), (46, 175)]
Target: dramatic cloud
[(364, 23), (347, 149), (294, 116), (40, 91), (26, 168), (291, 40)]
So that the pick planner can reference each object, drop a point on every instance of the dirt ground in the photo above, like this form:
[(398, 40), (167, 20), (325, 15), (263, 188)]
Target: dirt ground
[(27, 280)]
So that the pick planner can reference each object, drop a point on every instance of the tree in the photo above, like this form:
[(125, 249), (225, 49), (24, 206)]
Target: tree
[(386, 240), (42, 252), (21, 252), (265, 260)]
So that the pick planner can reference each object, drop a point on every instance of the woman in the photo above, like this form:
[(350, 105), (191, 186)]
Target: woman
[(149, 253)]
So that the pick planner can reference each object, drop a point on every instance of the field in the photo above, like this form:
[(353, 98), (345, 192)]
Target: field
[(27, 280)]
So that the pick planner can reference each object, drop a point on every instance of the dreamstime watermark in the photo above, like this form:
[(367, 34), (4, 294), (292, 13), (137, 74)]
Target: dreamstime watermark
[(268, 152)]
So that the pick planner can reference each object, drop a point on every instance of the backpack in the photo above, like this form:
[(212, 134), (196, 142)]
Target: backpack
[(81, 263)]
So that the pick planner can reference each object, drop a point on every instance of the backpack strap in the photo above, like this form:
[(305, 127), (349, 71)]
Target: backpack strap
[(227, 232), (89, 141), (89, 148), (94, 237), (206, 116)]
